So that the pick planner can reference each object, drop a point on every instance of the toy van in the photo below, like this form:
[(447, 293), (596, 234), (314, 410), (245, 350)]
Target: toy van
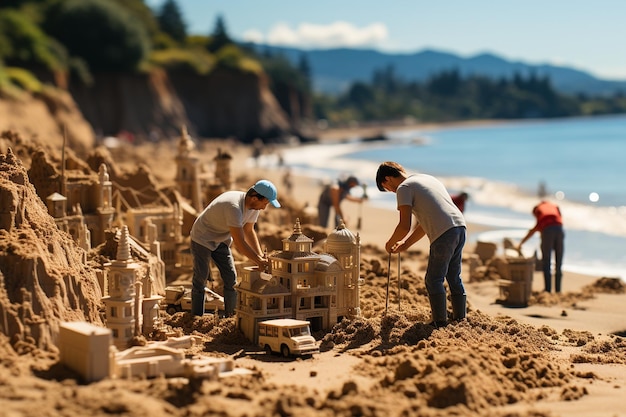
[(178, 298), (287, 337)]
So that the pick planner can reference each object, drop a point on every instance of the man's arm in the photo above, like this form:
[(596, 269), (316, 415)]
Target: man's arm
[(528, 235), (401, 231), (415, 236), (252, 253), (251, 237)]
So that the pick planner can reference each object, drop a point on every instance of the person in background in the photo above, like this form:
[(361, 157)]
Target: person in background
[(427, 199), (459, 200), (331, 197), (228, 219), (550, 226)]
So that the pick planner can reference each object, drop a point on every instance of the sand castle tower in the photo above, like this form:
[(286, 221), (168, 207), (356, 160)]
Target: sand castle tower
[(222, 168), (121, 303), (346, 248), (106, 211), (187, 171)]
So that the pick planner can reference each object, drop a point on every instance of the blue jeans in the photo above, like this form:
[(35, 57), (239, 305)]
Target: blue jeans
[(444, 261), (223, 258), (552, 240)]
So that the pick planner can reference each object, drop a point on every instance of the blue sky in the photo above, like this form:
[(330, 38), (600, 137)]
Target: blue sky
[(583, 34)]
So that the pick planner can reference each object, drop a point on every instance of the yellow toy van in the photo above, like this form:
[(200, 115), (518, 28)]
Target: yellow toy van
[(287, 337)]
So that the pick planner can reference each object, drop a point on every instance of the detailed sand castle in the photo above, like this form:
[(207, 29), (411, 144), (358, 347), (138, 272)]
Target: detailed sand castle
[(320, 288), (138, 236)]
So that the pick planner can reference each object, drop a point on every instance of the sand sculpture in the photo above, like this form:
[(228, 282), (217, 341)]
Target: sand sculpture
[(94, 239)]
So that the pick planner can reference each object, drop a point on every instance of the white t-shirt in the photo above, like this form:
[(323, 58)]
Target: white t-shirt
[(430, 203), (227, 210)]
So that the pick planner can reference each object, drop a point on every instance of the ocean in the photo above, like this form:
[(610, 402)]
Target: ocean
[(579, 162)]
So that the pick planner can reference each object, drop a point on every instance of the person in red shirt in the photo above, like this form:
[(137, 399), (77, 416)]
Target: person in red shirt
[(550, 225), (459, 200)]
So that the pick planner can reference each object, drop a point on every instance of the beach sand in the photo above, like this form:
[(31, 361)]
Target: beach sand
[(560, 356)]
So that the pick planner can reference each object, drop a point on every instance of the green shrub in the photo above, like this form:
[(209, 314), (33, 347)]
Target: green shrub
[(22, 43), (23, 79), (231, 57), (102, 33), (198, 61)]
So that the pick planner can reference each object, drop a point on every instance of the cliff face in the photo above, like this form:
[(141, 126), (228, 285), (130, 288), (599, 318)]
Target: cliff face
[(48, 116), (154, 105), (136, 103), (221, 104), (226, 104)]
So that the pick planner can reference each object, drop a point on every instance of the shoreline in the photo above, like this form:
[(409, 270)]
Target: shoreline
[(498, 206), (377, 223)]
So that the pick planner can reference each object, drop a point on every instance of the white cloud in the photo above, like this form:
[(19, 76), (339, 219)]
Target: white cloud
[(336, 34), (254, 36)]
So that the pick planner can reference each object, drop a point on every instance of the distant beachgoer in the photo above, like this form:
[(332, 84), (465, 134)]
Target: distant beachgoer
[(228, 219), (331, 197), (426, 198), (257, 150), (541, 189), (550, 225), (459, 200), (287, 180)]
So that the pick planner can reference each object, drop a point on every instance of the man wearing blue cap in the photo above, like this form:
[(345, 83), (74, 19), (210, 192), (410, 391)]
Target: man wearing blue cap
[(228, 219)]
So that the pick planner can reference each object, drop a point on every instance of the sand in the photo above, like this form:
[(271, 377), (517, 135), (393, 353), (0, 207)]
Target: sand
[(560, 356)]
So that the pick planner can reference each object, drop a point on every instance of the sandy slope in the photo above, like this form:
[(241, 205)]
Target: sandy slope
[(533, 361)]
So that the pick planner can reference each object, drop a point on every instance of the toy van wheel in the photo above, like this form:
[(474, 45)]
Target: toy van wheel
[(284, 349), (172, 309), (268, 350)]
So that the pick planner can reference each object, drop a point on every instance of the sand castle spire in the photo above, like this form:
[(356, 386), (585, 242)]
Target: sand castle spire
[(185, 144), (297, 228), (123, 247)]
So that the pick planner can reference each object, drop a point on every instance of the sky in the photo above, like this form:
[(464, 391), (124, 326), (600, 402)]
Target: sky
[(581, 34)]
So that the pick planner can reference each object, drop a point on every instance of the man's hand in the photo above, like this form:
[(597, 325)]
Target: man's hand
[(263, 263), (392, 247)]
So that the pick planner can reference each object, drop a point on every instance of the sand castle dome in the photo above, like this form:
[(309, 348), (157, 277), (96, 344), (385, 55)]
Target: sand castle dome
[(341, 235)]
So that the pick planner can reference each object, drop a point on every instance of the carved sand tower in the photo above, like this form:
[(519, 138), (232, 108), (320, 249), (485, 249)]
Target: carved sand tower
[(346, 248), (121, 303), (187, 171), (222, 168), (106, 211)]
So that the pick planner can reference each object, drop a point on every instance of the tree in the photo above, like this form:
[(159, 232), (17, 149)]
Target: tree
[(171, 21), (219, 37), (23, 44), (100, 32)]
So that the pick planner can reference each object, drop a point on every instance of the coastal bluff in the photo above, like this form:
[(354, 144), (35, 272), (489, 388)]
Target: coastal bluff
[(153, 104)]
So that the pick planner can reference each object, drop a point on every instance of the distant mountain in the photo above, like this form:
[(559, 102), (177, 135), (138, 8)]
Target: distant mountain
[(333, 70)]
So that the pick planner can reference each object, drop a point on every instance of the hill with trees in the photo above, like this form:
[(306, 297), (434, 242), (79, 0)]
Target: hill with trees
[(123, 69), (334, 70), (131, 69)]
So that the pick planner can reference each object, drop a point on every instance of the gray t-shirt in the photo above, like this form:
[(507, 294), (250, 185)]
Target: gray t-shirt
[(227, 210), (431, 204)]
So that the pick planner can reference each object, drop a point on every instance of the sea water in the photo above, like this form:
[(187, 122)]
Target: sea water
[(579, 162)]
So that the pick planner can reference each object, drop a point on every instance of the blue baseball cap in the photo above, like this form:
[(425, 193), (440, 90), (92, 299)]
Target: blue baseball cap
[(267, 190)]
